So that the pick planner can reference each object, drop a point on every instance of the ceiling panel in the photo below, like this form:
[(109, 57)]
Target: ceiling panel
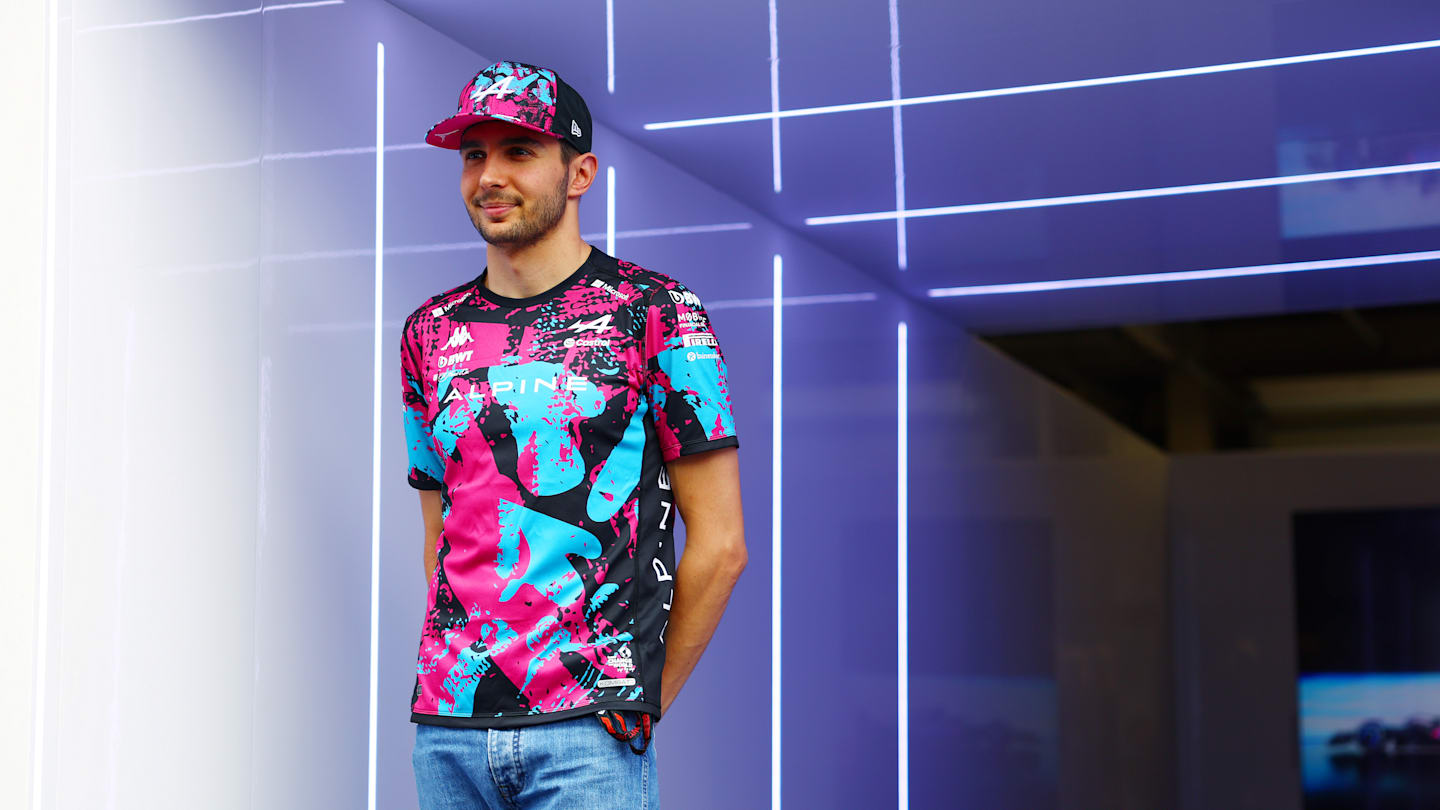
[(678, 61)]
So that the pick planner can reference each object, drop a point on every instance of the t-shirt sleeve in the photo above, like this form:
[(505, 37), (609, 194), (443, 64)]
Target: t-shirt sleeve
[(427, 468), (685, 376)]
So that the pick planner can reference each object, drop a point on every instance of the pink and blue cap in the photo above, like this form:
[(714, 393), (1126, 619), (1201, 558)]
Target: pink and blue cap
[(524, 95)]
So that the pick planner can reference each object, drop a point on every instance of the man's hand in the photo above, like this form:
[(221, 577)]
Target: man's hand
[(707, 492)]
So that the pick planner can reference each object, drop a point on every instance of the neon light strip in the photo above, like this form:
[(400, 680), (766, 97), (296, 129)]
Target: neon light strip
[(774, 97), (375, 430), (1135, 194), (1187, 275), (47, 422), (439, 247), (801, 112), (792, 301), (902, 565), (776, 557), (610, 45), (678, 230), (610, 210), (898, 133), (248, 162), (219, 16)]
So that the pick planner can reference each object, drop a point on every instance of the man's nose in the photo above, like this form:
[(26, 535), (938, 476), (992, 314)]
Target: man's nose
[(491, 175)]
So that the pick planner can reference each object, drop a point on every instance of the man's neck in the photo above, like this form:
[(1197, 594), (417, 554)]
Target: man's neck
[(522, 272)]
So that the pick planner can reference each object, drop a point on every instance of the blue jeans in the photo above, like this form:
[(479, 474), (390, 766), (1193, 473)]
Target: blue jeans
[(561, 765)]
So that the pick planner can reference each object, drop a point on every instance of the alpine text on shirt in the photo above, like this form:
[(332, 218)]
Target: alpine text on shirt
[(546, 423)]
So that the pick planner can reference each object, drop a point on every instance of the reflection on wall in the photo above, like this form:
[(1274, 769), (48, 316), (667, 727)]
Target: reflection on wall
[(1369, 690), (1361, 205), (217, 448)]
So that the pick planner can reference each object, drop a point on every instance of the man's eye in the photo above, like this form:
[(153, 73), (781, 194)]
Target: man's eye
[(474, 154), (520, 150)]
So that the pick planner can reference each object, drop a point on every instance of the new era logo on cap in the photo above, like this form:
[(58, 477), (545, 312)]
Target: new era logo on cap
[(525, 95)]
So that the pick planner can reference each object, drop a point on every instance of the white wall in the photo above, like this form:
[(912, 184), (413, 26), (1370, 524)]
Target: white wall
[(23, 161)]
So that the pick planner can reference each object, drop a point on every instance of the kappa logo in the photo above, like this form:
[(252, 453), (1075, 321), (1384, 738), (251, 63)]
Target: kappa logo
[(597, 326), (461, 336)]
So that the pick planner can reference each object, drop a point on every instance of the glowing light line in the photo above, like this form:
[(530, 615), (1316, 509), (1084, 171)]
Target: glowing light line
[(438, 247), (776, 556), (678, 230), (610, 210), (375, 429), (610, 45), (1135, 194), (902, 563), (223, 15), (792, 301), (942, 98), (898, 133), (1187, 275), (256, 161), (774, 97)]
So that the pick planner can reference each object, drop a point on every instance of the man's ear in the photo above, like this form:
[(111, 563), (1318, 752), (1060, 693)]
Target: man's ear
[(582, 173)]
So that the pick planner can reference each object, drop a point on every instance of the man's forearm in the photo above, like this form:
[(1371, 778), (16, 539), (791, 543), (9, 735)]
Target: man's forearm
[(430, 560), (703, 581)]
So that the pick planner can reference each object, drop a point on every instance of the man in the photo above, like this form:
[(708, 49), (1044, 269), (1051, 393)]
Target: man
[(562, 410)]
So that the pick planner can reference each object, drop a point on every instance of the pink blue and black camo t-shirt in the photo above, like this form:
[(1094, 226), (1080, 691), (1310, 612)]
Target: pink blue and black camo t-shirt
[(546, 423)]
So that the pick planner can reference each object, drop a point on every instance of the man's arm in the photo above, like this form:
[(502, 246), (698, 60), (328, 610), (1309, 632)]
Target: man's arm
[(430, 508), (707, 492)]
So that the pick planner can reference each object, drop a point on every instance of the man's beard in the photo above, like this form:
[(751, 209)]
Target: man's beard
[(533, 223)]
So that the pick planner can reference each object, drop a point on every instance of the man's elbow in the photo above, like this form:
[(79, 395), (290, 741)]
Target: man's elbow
[(736, 558)]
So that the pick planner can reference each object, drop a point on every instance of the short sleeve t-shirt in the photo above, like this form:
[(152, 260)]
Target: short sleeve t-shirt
[(546, 423)]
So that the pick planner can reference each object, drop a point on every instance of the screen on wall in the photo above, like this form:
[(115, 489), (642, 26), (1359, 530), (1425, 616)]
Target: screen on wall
[(1367, 590)]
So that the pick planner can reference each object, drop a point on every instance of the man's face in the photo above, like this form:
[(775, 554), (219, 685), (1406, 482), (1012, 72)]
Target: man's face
[(513, 181)]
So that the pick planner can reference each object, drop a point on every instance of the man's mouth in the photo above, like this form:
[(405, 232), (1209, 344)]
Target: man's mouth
[(495, 209)]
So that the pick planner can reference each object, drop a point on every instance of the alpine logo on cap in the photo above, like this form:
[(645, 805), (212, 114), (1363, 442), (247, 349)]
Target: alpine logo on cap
[(575, 129)]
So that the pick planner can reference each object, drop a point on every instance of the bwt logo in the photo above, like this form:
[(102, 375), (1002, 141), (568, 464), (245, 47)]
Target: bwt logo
[(687, 298), (452, 359)]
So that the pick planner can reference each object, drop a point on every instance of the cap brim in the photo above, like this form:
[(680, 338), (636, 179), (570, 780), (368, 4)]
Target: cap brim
[(446, 134)]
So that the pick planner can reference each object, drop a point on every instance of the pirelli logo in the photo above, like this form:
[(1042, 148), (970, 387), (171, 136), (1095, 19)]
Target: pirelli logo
[(700, 339)]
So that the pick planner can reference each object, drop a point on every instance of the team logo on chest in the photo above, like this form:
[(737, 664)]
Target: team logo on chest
[(595, 327)]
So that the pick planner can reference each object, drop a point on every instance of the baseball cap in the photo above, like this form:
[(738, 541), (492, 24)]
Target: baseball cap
[(524, 95)]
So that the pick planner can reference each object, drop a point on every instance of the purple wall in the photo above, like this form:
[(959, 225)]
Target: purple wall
[(217, 463)]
